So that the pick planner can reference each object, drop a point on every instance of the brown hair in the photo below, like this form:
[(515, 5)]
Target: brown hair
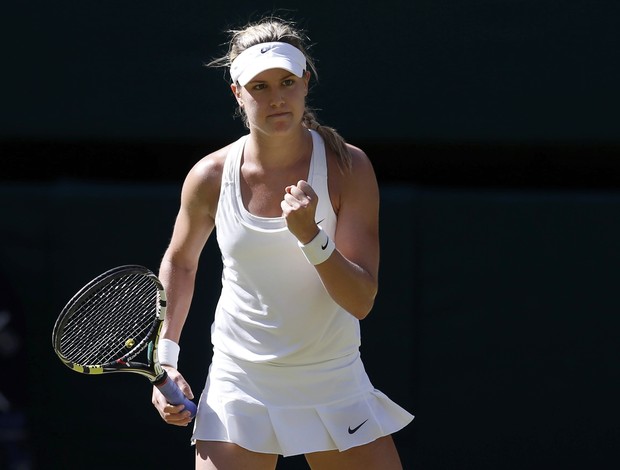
[(279, 30)]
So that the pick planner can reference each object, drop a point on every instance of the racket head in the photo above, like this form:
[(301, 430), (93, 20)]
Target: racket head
[(110, 321)]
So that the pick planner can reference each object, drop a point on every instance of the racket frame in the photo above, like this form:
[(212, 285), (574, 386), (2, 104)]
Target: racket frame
[(152, 369)]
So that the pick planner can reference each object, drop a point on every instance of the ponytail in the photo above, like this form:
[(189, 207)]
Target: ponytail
[(332, 139)]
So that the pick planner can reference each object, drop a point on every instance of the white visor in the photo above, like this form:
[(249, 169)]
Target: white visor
[(265, 56)]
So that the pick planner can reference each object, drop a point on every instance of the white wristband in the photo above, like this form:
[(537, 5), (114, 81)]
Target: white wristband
[(168, 352), (319, 249)]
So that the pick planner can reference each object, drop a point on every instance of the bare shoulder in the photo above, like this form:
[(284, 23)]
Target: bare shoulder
[(362, 174), (201, 187), (358, 183), (209, 168), (359, 160), (361, 166)]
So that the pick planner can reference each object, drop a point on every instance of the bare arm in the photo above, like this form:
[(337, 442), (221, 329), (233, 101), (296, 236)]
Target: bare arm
[(193, 226), (350, 275)]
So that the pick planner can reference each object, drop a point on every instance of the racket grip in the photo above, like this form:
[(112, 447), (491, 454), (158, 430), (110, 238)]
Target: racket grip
[(174, 395)]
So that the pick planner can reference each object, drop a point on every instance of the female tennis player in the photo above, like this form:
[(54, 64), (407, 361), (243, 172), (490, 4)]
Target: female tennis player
[(295, 210)]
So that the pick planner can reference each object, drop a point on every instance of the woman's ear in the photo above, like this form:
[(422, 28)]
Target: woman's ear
[(306, 77), (237, 92)]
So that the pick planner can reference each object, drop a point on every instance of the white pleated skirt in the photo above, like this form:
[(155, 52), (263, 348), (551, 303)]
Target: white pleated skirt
[(292, 410)]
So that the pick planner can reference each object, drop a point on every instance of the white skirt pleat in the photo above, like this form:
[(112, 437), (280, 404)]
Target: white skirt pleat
[(291, 410)]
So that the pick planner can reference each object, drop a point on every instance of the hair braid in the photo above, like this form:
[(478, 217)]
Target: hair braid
[(332, 139)]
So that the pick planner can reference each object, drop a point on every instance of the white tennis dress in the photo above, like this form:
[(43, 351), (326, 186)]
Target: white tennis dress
[(286, 375)]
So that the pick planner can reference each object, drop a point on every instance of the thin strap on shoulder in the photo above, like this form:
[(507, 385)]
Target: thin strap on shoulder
[(232, 158), (319, 160)]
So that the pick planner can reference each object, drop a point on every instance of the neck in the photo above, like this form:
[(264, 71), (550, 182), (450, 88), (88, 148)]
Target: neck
[(278, 151)]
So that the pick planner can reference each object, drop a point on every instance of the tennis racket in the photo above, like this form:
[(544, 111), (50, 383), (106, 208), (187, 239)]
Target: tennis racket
[(112, 325)]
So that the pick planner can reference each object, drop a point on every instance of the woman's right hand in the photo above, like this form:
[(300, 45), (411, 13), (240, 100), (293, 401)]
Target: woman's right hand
[(173, 414)]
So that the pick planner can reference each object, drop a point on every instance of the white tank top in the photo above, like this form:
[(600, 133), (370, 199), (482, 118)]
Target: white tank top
[(273, 307)]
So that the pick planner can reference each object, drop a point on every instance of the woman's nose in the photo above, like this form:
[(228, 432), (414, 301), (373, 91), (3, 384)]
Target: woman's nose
[(276, 99)]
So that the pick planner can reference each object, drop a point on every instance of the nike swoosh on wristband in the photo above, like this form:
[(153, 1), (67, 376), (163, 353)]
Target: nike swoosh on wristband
[(322, 246), (354, 430)]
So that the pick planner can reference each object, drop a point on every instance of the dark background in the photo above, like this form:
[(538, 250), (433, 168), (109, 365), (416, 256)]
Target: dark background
[(493, 129)]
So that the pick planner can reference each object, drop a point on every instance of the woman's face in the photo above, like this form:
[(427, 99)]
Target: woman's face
[(273, 101)]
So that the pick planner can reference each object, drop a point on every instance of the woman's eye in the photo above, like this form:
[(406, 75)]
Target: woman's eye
[(288, 82), (260, 86)]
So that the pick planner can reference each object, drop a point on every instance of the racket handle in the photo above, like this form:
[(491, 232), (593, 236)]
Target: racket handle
[(174, 395)]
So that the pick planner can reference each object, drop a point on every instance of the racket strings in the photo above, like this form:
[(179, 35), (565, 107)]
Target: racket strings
[(111, 323)]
